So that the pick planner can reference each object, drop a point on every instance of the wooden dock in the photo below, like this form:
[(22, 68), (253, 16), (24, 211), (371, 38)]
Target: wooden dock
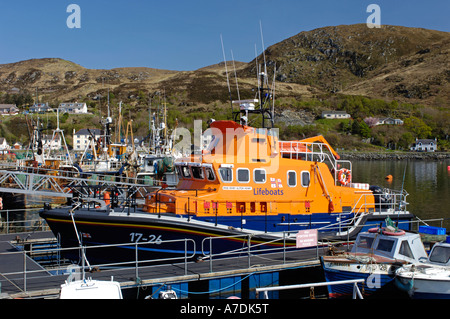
[(38, 282)]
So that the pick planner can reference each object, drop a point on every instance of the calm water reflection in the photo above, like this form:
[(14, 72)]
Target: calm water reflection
[(427, 182)]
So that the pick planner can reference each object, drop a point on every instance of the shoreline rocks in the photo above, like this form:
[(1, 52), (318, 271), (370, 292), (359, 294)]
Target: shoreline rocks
[(374, 156)]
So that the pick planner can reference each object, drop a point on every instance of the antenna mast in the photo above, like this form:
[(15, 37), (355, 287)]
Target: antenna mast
[(264, 75), (235, 75), (226, 71), (108, 104)]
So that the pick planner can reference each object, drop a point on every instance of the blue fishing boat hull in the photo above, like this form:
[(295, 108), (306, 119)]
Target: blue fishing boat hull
[(375, 278)]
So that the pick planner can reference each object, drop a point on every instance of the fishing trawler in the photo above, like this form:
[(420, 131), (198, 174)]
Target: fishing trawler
[(246, 188), (156, 167), (107, 158), (46, 155)]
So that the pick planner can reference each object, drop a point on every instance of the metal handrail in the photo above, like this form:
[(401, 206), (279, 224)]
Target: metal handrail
[(311, 151), (25, 273), (8, 225), (356, 291), (251, 248)]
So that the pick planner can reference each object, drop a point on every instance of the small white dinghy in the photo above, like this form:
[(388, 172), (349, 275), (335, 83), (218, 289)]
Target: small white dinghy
[(91, 289), (429, 279)]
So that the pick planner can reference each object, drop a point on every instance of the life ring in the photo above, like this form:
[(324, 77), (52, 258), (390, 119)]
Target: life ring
[(396, 233), (344, 176), (400, 232)]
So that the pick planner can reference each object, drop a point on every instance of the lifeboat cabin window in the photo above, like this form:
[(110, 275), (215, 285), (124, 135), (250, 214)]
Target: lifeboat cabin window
[(178, 169), (292, 178), (185, 172), (210, 174), (243, 175), (305, 179), (226, 174), (259, 175), (197, 172)]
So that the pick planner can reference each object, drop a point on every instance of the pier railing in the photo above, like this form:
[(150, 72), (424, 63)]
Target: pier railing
[(354, 282), (248, 249), (20, 278), (9, 223)]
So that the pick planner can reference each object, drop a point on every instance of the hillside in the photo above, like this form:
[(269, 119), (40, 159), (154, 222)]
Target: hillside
[(394, 62), (406, 64), (62, 80), (391, 71)]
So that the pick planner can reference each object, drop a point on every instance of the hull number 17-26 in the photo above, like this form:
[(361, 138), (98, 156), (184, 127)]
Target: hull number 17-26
[(139, 237)]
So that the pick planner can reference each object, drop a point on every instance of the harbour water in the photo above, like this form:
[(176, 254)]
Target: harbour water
[(427, 183)]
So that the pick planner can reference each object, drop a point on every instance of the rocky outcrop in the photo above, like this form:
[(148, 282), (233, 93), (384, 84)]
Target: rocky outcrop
[(297, 117)]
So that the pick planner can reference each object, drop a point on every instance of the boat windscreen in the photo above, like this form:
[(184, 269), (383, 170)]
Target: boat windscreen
[(385, 245), (440, 254), (364, 242)]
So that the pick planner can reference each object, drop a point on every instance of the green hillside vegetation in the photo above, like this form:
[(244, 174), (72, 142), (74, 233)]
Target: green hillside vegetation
[(348, 134)]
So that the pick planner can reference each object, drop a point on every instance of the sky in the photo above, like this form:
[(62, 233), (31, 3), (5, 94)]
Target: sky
[(183, 35)]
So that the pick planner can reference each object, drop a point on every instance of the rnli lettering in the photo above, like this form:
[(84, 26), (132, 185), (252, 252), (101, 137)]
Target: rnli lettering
[(265, 191)]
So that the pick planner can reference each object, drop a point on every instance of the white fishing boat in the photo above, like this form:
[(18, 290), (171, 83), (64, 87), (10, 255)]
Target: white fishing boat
[(429, 279), (375, 257), (91, 289)]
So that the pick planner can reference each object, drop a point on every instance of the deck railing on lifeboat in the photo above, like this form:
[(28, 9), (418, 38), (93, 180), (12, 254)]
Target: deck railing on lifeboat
[(395, 201), (313, 151)]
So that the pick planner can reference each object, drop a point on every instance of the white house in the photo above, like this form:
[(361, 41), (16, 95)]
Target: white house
[(52, 144), (8, 109), (424, 145), (373, 121), (335, 115), (81, 138), (73, 108), (17, 146), (4, 144), (389, 121)]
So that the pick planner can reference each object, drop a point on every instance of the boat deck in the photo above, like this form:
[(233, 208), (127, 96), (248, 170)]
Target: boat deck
[(38, 282)]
